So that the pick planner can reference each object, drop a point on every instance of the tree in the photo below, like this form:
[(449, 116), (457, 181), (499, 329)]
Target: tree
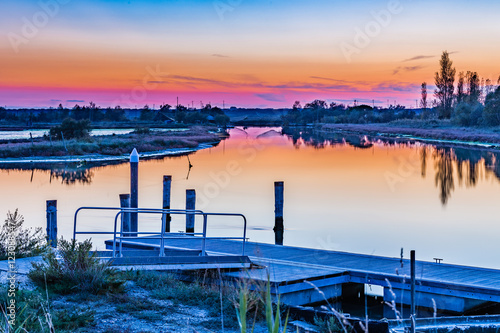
[(468, 114), (165, 107), (71, 129), (473, 87), (492, 108), (423, 100), (445, 80), (460, 88)]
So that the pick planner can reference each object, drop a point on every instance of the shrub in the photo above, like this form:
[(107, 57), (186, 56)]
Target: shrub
[(221, 120), (71, 129), (78, 270), (20, 242), (492, 108), (466, 114), (142, 130)]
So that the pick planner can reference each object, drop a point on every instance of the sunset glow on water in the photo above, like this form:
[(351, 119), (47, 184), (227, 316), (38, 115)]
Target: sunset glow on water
[(339, 197)]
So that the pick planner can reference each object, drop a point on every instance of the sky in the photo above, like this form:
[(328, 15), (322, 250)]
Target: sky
[(244, 53)]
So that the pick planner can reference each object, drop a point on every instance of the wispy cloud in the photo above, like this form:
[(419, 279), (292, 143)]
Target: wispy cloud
[(272, 97), (329, 85), (219, 55), (75, 101), (420, 57), (406, 69)]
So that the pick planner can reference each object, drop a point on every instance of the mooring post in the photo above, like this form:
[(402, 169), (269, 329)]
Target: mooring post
[(278, 213), (166, 218), (190, 205), (125, 203), (412, 272), (134, 189), (52, 222)]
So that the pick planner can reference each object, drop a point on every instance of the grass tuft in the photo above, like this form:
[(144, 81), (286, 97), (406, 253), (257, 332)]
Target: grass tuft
[(77, 270)]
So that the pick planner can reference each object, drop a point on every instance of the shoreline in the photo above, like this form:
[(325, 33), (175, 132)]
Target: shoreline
[(453, 135), (99, 158), (108, 148)]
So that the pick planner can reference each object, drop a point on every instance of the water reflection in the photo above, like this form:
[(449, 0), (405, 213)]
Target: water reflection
[(82, 176), (443, 163), (466, 161), (67, 174)]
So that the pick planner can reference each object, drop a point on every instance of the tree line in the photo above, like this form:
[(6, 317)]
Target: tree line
[(472, 102), (94, 113)]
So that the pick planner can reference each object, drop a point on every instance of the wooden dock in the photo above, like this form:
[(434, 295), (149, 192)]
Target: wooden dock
[(295, 273)]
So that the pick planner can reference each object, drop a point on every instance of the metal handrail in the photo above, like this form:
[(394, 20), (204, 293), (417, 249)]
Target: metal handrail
[(161, 235)]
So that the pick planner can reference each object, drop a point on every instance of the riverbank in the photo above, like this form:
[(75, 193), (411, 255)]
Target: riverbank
[(110, 147), (424, 131)]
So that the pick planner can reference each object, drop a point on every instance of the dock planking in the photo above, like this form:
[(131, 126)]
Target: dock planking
[(289, 266)]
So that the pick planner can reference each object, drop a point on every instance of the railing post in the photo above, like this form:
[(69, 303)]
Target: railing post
[(412, 272), (125, 217), (204, 241), (52, 222), (190, 205), (166, 218), (278, 213), (134, 189)]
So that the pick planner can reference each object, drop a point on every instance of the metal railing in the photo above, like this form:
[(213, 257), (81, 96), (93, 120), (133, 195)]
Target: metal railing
[(120, 235)]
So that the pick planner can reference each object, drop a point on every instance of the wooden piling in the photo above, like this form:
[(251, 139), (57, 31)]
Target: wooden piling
[(134, 189), (412, 272), (278, 213), (166, 218), (190, 205), (52, 222), (125, 203)]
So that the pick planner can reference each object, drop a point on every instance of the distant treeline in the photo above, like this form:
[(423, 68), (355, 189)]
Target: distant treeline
[(322, 112), (93, 113)]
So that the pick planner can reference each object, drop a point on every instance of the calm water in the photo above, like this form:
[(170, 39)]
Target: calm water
[(341, 193)]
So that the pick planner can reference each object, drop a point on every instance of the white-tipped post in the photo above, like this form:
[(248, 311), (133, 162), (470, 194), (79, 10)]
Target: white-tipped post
[(134, 189)]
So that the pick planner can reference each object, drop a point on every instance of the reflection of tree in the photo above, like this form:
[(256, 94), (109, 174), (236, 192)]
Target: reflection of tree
[(471, 158), (492, 163), (468, 161), (320, 140), (443, 163), (423, 156), (83, 176)]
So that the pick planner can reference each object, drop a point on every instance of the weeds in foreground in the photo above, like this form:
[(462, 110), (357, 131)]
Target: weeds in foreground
[(76, 270), (34, 314), (328, 325), (273, 321), (18, 241)]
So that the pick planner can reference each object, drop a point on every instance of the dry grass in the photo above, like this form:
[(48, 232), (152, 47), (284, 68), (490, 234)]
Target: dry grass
[(112, 145)]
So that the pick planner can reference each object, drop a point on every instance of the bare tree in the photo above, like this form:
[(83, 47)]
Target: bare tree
[(445, 80)]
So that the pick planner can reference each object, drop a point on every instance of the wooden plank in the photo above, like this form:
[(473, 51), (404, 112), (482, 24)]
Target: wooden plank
[(288, 264)]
